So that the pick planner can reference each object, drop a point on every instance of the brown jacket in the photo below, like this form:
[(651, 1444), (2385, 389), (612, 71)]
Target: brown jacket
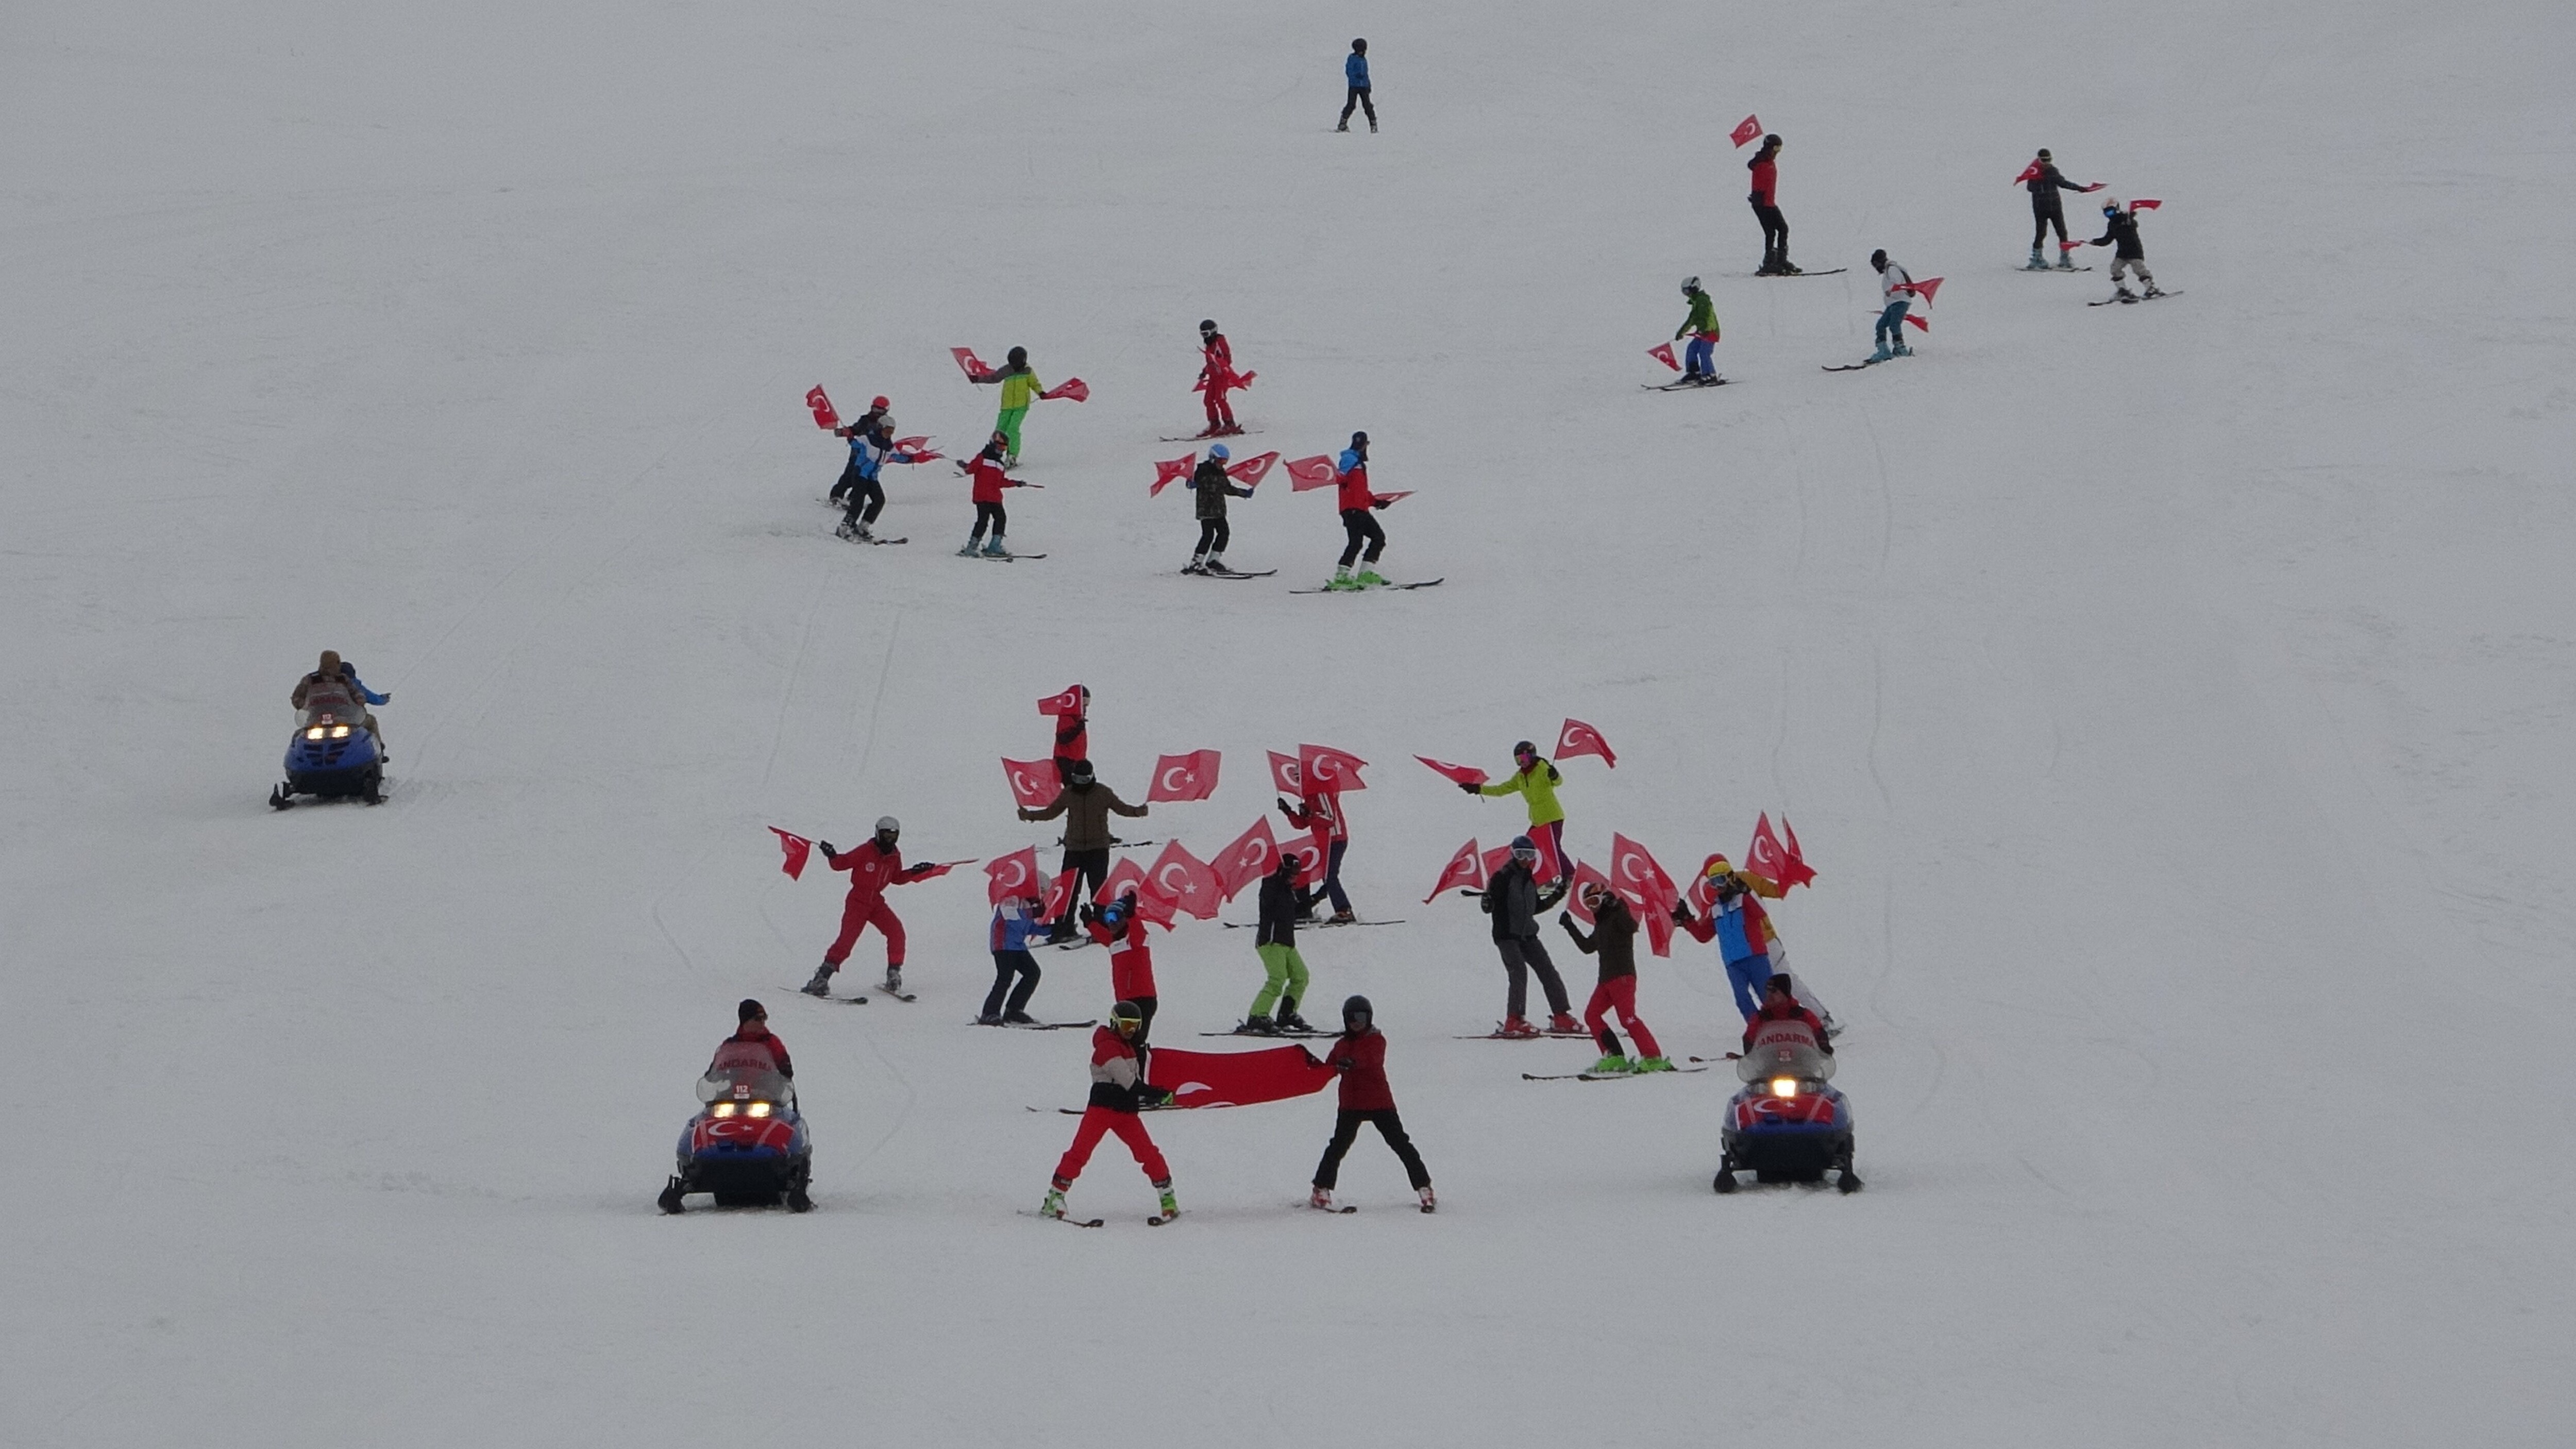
[(1085, 809)]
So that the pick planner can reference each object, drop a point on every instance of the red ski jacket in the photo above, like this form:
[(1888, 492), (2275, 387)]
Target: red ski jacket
[(754, 1048), (1219, 373), (1131, 960), (1766, 181), (1772, 1011), (1362, 1062), (1355, 490), (871, 869), (989, 479)]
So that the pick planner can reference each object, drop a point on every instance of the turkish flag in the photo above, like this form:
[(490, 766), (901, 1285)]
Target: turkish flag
[(1663, 352), (2145, 203), (1165, 474), (1585, 877), (933, 872), (2068, 246), (1923, 323), (1395, 497), (1123, 877), (913, 444), (1636, 876), (1059, 896), (1072, 389), (1069, 702), (1310, 860), (1329, 771), (1775, 862), (1236, 1079), (1744, 133), (1184, 777), (1013, 877), (1254, 854), (1926, 288), (1466, 868), (1702, 895), (1284, 774), (1251, 471), (824, 417), (1549, 867), (1659, 931), (967, 359), (1190, 882), (1577, 738), (1457, 774), (797, 849), (1494, 860), (1033, 782), (2028, 173), (1306, 473)]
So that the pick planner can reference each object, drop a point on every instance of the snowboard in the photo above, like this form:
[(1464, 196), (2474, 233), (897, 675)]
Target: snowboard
[(1373, 588), (2131, 301)]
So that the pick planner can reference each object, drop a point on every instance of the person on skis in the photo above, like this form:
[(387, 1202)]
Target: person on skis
[(1020, 387), (1356, 503), (1319, 813), (1217, 377), (1895, 295), (1514, 899), (1534, 778), (986, 470), (1086, 806), (873, 868), (1737, 923), (1765, 167), (1360, 1056), (1614, 940), (751, 1047), (1120, 926), (1697, 364), (1213, 485), (2120, 230), (1780, 1003), (1117, 1072), (2048, 209), (871, 448), (1275, 941), (866, 424), (1015, 970), (334, 688), (1355, 71)]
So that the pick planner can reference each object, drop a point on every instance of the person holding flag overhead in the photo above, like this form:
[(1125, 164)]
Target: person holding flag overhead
[(1284, 971), (1319, 812), (1738, 925), (1514, 899), (1614, 941)]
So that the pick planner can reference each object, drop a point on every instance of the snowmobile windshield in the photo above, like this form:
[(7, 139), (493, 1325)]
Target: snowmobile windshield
[(1785, 1054), (745, 1084)]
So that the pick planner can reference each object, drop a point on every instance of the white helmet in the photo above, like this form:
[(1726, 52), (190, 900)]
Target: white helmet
[(888, 825), (1690, 284)]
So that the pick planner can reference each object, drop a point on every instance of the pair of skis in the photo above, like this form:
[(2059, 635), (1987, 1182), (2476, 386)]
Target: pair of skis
[(1372, 588)]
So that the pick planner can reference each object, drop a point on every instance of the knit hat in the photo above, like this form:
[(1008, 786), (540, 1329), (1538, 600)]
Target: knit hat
[(750, 1010)]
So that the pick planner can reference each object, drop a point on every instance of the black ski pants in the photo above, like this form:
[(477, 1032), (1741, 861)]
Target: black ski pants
[(848, 479), (1359, 99), (866, 499), (1361, 525), (1094, 865), (2046, 210), (1214, 535), (1346, 1130), (1775, 235), (988, 513), (1521, 956), (1007, 967)]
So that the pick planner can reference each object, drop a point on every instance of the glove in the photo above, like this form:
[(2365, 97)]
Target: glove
[(828, 848), (1681, 914), (1089, 913), (920, 868), (1381, 503), (1467, 785), (1565, 919)]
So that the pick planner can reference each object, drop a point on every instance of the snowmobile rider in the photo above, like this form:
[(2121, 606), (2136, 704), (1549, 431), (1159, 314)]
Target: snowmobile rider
[(1086, 806), (1780, 1003), (334, 688), (751, 1047), (872, 868)]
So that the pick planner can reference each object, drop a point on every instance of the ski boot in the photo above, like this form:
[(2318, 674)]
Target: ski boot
[(894, 981), (1517, 1027), (1257, 1026), (1882, 354), (2066, 261), (2037, 264), (1053, 1207), (1018, 1018), (2123, 294), (1564, 1021), (1343, 583), (1340, 918), (1902, 350), (849, 532), (1430, 1199), (1321, 1199), (969, 550), (1291, 1021), (1196, 565), (1370, 578), (1344, 126), (2154, 291), (1789, 270), (1170, 1205), (1613, 1063), (1654, 1064), (1216, 565), (821, 985), (988, 1018), (995, 548)]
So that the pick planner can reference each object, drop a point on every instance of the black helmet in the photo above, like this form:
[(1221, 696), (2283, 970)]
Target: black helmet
[(1878, 260), (1780, 982), (1207, 324), (1358, 1006), (1126, 1018), (1359, 440), (1525, 747), (1078, 773), (1019, 357), (752, 1010)]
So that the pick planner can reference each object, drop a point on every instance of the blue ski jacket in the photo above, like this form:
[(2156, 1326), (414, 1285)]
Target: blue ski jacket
[(1355, 70)]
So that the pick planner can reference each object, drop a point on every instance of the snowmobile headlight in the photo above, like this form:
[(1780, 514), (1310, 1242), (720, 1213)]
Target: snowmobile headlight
[(757, 1109), (1784, 1087), (314, 733), (340, 732), (721, 1109)]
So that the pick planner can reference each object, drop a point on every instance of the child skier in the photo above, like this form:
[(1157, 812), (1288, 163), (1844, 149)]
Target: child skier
[(1360, 1056), (1276, 941), (871, 448), (2047, 209), (986, 470), (1765, 167), (1216, 377), (1213, 485), (1357, 503), (1513, 898), (1319, 812), (1117, 1071), (1739, 926), (1701, 324), (1614, 940), (1119, 927), (1534, 779), (2121, 230), (1015, 971), (872, 868), (854, 431), (1355, 71), (1020, 387), (1895, 294)]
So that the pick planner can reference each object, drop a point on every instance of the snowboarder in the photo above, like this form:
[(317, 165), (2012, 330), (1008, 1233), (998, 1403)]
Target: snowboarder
[(1701, 324), (986, 470), (865, 425), (2047, 209), (334, 688), (1320, 813), (1217, 377), (1121, 927), (1534, 778), (2120, 229), (1086, 806), (1020, 387), (1355, 71), (1896, 294), (1117, 1071), (1614, 940), (1357, 503), (1276, 941), (871, 448), (1780, 1003), (1765, 167), (1213, 485), (1360, 1056), (872, 868), (1015, 971), (1739, 926), (751, 1047), (1514, 899)]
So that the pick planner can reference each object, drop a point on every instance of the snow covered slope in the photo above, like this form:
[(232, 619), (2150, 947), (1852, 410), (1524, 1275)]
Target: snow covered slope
[(2176, 701)]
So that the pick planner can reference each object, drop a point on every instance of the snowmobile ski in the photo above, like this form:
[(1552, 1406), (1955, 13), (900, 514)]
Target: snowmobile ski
[(1373, 588)]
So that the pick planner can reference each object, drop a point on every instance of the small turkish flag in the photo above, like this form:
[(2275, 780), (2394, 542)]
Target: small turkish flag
[(1636, 876), (1251, 471), (797, 849), (1059, 896), (1123, 877), (1013, 877), (1743, 134), (1663, 352), (1165, 474), (1254, 854), (1925, 288), (1921, 322), (1189, 881), (973, 365), (2028, 173), (1457, 774), (1585, 877), (1578, 738), (824, 417), (1184, 777), (1465, 869), (913, 444), (1285, 776), (1033, 782), (1072, 389), (2145, 203), (1494, 860), (1395, 497), (1703, 895), (1769, 858), (1069, 702), (1659, 931), (1309, 858), (1308, 473), (1550, 866), (1329, 771)]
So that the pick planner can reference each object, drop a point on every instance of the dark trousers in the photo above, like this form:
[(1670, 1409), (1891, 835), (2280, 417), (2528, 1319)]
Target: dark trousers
[(988, 513), (866, 498), (2045, 211), (1361, 525), (1333, 875), (849, 476), (1094, 865), (1521, 956), (1214, 535), (1359, 98), (1346, 1130), (1007, 966), (1775, 235)]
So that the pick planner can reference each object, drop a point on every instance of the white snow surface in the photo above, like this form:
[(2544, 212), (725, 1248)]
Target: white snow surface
[(2176, 701)]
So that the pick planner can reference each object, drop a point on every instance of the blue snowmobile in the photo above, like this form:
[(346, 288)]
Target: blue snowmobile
[(331, 760), (1786, 1125)]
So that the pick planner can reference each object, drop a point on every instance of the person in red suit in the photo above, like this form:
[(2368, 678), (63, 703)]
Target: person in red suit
[(1117, 1079), (872, 868), (1119, 927), (1217, 377), (1360, 1056)]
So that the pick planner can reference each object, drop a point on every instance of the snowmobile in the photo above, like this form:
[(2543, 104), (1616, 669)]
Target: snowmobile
[(748, 1145), (330, 760), (1786, 1125)]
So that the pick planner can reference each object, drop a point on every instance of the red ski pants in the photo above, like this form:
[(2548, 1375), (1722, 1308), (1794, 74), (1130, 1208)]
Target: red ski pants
[(1619, 992), (859, 913), (1220, 413), (1130, 1129)]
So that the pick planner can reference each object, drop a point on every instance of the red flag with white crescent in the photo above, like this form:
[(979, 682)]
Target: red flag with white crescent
[(1636, 876), (1237, 1079), (1072, 389), (1252, 470), (824, 417), (1578, 738), (1184, 777), (1465, 870), (1456, 774), (1059, 896), (797, 849), (2028, 173), (1285, 776), (972, 365), (1188, 881), (1329, 771), (2145, 203), (1310, 473), (1663, 352), (1166, 474), (1925, 288), (1744, 132), (1033, 782), (1585, 877), (1069, 702), (1252, 855), (1012, 877)]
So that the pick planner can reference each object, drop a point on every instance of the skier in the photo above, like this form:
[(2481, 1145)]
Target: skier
[(2120, 228), (1780, 1003), (986, 470), (751, 1047), (1213, 486), (1120, 927), (1739, 926), (1086, 805), (1534, 778), (1765, 167), (1216, 377), (1116, 1073), (1355, 71), (1072, 734), (865, 425), (871, 448), (1015, 920), (2047, 209), (1356, 503), (1360, 1056), (1514, 899), (1320, 813), (1896, 294), (334, 688), (1701, 324), (1614, 940), (872, 868), (1276, 942), (1020, 387)]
